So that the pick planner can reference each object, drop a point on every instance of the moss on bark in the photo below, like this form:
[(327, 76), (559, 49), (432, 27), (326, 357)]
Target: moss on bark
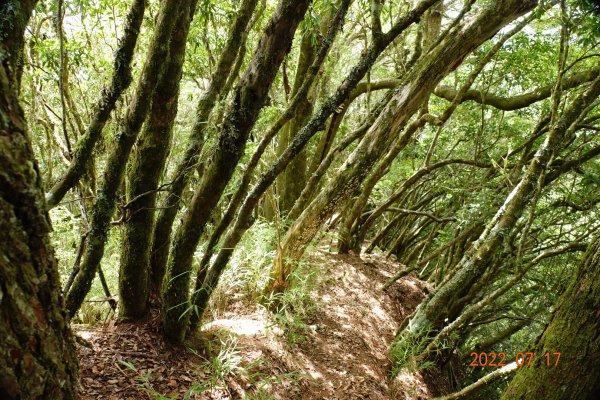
[(37, 351), (573, 331), (249, 98), (105, 203), (144, 171)]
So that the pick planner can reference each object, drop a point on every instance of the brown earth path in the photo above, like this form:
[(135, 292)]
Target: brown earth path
[(339, 352)]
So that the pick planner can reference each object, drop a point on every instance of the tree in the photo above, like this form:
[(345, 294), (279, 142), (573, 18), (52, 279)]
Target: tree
[(248, 99), (38, 351), (226, 72), (436, 133), (105, 202), (576, 374), (409, 96), (145, 168)]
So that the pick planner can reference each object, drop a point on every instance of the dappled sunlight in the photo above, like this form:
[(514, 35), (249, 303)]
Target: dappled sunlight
[(341, 349), (243, 326), (337, 350), (86, 334)]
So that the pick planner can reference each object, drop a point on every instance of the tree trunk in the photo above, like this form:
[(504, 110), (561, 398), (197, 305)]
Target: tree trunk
[(104, 206), (449, 298), (416, 86), (144, 171), (345, 240), (244, 220), (37, 351), (14, 16), (249, 98), (185, 168), (572, 331), (292, 181)]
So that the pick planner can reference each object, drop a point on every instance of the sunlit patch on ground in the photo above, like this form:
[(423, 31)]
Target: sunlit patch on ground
[(340, 352)]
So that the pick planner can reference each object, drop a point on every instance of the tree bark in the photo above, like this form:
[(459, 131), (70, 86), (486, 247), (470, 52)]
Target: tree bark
[(416, 86), (168, 211), (121, 80), (449, 299), (249, 98), (244, 220), (104, 205), (14, 17), (572, 331), (37, 350), (144, 171)]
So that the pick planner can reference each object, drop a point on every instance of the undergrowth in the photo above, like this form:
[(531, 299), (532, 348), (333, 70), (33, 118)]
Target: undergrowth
[(225, 364), (294, 307), (406, 351), (248, 271)]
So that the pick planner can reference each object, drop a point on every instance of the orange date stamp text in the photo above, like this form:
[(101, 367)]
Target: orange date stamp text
[(522, 359)]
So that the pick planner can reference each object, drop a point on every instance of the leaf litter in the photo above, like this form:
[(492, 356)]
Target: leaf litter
[(340, 352)]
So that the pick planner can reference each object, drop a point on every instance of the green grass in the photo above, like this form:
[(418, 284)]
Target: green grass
[(293, 307), (404, 351)]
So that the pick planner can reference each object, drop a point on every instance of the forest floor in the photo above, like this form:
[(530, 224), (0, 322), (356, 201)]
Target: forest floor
[(338, 351)]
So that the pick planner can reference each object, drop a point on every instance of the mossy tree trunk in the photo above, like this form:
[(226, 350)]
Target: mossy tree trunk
[(188, 164), (316, 122), (14, 16), (37, 350), (291, 182), (450, 298), (121, 80), (104, 205), (248, 99), (144, 171), (410, 95), (574, 331)]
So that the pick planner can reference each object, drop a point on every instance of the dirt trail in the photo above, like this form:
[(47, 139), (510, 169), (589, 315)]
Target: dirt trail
[(347, 355), (341, 354), (344, 352)]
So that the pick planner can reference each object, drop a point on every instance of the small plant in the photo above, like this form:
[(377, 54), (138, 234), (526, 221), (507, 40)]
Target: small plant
[(405, 352), (245, 279), (227, 363), (264, 383), (295, 305), (220, 366)]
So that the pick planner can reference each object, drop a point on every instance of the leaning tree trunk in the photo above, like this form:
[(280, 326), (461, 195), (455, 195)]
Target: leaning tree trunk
[(291, 182), (414, 89), (244, 219), (574, 331), (37, 351), (144, 171), (449, 299), (105, 203), (161, 242), (121, 80), (248, 99)]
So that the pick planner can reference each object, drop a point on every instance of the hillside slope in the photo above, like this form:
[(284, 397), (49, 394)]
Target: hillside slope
[(336, 349)]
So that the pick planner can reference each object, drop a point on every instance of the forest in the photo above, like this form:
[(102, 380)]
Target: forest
[(300, 199)]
